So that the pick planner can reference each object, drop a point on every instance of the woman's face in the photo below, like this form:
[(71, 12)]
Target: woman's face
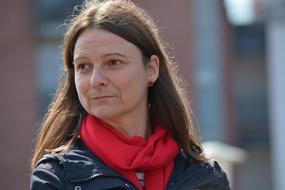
[(110, 77)]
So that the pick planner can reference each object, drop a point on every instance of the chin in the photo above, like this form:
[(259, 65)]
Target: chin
[(103, 114)]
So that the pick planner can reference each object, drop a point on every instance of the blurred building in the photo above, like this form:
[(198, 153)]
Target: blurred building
[(275, 27), (228, 51), (18, 102)]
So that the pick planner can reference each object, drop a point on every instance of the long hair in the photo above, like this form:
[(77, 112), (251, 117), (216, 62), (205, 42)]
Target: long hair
[(168, 100)]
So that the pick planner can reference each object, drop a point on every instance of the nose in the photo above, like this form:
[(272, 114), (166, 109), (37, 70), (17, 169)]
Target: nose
[(98, 78)]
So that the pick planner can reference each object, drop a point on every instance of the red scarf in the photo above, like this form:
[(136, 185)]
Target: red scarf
[(155, 156)]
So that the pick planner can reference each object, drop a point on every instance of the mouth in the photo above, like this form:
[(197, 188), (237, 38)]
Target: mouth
[(102, 97)]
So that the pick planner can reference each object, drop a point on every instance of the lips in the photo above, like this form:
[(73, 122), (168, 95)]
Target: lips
[(102, 97)]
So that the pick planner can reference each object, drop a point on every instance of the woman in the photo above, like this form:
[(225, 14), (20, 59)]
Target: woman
[(120, 120)]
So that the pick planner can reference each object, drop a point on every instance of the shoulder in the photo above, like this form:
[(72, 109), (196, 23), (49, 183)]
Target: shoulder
[(57, 171), (48, 174), (74, 169), (222, 179), (190, 174), (50, 171)]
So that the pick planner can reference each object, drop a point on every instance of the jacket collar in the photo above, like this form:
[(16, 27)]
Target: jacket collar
[(192, 173), (80, 163)]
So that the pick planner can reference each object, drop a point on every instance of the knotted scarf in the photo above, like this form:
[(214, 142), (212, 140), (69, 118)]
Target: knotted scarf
[(154, 156)]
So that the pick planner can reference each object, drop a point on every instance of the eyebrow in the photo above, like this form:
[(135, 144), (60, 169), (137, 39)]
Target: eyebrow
[(115, 53), (79, 58), (105, 55)]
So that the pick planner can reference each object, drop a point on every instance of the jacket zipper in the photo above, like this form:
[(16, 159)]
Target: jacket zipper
[(85, 179), (80, 180)]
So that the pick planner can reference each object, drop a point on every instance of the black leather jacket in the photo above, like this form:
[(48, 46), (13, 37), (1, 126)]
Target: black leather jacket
[(79, 169)]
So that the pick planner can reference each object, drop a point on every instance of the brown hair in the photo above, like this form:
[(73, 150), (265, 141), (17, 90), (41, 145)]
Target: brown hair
[(167, 98)]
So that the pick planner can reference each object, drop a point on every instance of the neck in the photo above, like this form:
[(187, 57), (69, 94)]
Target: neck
[(136, 123), (133, 128)]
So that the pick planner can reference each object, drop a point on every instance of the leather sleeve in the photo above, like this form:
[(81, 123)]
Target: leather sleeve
[(47, 176)]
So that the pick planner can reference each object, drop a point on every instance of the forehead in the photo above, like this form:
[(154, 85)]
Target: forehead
[(100, 41)]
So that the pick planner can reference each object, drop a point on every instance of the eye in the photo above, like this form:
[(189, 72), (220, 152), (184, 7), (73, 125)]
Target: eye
[(115, 62), (82, 66)]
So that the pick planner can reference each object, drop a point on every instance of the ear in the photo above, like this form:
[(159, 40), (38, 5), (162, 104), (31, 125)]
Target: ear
[(152, 70)]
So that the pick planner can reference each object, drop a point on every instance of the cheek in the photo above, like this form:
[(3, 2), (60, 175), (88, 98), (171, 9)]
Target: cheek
[(134, 87), (81, 85)]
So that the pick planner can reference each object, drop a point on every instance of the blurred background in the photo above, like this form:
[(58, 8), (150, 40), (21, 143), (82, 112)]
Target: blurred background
[(230, 52)]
